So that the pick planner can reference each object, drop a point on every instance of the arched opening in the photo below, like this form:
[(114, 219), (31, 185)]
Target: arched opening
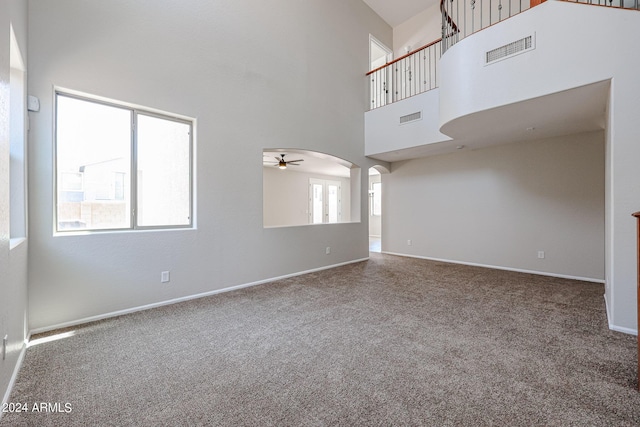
[(303, 187)]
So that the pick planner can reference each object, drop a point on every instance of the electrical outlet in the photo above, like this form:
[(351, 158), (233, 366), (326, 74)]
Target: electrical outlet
[(540, 254), (4, 346), (328, 250), (409, 242), (164, 277)]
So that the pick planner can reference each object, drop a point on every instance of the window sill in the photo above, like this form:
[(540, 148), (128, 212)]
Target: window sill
[(70, 233), (16, 241)]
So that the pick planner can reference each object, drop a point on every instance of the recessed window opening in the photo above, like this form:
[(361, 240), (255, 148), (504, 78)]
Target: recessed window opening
[(119, 167), (17, 149)]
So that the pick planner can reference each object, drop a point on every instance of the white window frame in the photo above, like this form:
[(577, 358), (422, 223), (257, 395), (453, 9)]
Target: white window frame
[(135, 111)]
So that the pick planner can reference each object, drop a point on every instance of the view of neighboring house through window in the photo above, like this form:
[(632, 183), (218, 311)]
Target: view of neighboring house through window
[(98, 145)]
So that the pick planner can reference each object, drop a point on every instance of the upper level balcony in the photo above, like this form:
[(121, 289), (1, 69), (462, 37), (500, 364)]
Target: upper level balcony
[(468, 92)]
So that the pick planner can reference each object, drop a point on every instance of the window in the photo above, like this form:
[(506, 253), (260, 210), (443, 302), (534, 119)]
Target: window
[(376, 199), (119, 167)]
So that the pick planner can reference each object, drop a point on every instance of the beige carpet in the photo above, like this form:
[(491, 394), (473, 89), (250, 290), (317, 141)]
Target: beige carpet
[(388, 342)]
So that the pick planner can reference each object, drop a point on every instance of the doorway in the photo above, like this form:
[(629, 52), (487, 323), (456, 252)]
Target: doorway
[(375, 211), (380, 81)]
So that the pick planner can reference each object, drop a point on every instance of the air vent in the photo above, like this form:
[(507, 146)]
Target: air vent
[(510, 49), (410, 118)]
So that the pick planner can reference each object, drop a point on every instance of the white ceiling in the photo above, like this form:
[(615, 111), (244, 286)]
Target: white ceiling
[(577, 110), (314, 162), (395, 12)]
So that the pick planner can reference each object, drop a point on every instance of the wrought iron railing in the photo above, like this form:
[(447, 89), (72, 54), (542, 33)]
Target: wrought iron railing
[(461, 18), (409, 75), (417, 71)]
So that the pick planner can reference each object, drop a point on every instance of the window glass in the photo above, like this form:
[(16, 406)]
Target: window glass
[(97, 146), (164, 196), (376, 204), (93, 146)]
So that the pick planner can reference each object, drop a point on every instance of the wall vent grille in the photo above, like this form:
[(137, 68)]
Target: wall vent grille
[(410, 117), (510, 49)]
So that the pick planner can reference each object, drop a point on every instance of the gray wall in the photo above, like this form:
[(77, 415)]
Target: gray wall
[(255, 75), (499, 206), (286, 196), (13, 262)]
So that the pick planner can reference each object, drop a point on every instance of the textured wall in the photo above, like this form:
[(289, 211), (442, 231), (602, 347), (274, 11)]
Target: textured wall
[(13, 262), (286, 196), (573, 65), (500, 205), (254, 75)]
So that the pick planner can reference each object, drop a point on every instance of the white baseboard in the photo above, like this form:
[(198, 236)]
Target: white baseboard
[(623, 329), (540, 273), (182, 299), (615, 327), (14, 376), (497, 267)]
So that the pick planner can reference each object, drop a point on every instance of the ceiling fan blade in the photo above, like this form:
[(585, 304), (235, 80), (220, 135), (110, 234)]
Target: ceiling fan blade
[(277, 159), (292, 161)]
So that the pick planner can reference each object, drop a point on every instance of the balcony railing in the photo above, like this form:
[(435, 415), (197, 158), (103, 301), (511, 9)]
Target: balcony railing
[(417, 71), (409, 75), (461, 18)]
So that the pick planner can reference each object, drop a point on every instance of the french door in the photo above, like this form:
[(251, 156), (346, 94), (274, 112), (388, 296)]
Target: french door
[(325, 200)]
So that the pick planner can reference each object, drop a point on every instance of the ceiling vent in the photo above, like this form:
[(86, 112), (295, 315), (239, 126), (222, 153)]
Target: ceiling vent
[(411, 118), (514, 48)]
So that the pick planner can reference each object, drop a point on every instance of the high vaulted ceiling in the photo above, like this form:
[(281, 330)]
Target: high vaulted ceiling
[(395, 12)]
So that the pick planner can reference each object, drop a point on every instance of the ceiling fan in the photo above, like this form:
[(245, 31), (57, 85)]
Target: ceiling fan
[(282, 163)]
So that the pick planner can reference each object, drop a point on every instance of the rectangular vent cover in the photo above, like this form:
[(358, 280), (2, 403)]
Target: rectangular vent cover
[(411, 117), (509, 49)]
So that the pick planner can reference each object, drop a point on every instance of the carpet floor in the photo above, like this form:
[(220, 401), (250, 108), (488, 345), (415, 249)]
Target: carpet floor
[(390, 341)]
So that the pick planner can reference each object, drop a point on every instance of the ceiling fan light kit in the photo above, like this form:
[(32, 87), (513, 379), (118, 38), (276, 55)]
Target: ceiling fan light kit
[(281, 163)]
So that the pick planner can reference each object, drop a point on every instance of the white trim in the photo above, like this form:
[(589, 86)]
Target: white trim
[(16, 241), (623, 329), (14, 376), (496, 267), (614, 327), (182, 299), (383, 47)]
